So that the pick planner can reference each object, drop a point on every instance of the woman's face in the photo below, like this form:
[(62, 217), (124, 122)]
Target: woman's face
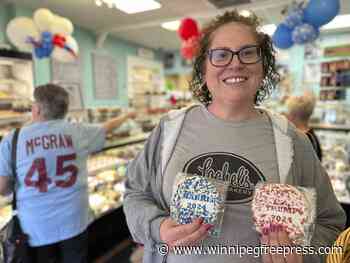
[(235, 82)]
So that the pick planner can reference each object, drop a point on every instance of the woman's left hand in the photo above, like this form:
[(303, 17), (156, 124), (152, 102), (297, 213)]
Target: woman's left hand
[(275, 236)]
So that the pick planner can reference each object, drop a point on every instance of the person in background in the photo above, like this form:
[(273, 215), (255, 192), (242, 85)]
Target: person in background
[(226, 136), (52, 194), (299, 111)]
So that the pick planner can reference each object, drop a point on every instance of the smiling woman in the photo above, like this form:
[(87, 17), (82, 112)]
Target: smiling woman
[(226, 138), (260, 50)]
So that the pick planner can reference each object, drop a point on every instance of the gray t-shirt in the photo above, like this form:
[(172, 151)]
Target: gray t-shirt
[(242, 153)]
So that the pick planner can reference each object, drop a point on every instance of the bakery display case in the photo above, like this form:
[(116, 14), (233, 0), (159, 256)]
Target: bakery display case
[(16, 88), (107, 174), (335, 141), (106, 188)]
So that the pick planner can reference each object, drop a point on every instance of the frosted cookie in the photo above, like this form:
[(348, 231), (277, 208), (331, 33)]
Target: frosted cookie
[(196, 197), (282, 204)]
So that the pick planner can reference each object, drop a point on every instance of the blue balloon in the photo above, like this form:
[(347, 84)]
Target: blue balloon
[(294, 18), (305, 33), (46, 43), (39, 52), (320, 12), (46, 51), (46, 37), (282, 38)]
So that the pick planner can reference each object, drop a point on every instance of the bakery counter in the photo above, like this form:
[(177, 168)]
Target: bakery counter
[(107, 170), (126, 141)]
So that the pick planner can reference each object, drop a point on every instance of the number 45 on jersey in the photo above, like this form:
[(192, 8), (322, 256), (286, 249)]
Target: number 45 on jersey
[(62, 168)]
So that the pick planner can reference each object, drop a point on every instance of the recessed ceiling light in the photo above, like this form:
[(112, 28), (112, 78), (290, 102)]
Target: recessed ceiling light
[(268, 29), (136, 6), (172, 25), (340, 21), (245, 13)]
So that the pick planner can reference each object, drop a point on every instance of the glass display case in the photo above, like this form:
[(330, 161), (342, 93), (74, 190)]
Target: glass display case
[(335, 141), (107, 174), (106, 188)]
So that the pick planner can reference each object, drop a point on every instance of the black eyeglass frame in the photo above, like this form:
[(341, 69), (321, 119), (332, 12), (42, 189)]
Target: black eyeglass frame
[(235, 53)]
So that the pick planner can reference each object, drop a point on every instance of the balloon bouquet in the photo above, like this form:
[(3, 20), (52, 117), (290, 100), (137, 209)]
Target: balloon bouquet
[(190, 35), (46, 34), (302, 23)]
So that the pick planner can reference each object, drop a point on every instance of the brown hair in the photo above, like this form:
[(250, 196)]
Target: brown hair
[(53, 101), (199, 88)]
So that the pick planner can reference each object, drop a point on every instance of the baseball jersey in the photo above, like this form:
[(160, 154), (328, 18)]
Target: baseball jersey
[(52, 197)]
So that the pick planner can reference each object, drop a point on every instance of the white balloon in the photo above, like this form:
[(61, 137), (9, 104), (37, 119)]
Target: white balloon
[(19, 29), (43, 19), (62, 26), (64, 55), (67, 25)]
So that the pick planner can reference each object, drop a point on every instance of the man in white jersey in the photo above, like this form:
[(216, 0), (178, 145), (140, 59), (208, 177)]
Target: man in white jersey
[(52, 196)]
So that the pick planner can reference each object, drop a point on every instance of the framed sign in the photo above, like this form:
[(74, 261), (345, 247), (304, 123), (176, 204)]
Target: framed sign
[(75, 95), (105, 76), (69, 76)]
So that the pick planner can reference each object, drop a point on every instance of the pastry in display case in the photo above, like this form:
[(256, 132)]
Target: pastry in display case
[(107, 171), (336, 157), (5, 210)]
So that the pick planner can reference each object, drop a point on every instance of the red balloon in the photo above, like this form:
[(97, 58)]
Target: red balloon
[(188, 28), (189, 48), (59, 40)]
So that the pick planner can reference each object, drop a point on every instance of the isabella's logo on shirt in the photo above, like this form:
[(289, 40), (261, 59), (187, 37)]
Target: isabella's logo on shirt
[(241, 174)]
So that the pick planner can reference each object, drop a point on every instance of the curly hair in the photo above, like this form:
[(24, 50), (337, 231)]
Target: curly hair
[(197, 84)]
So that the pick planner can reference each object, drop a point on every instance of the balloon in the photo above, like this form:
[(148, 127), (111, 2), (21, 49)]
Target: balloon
[(320, 12), (46, 42), (61, 26), (59, 40), (294, 18), (190, 47), (68, 53), (43, 19), (19, 30), (188, 28), (304, 33), (282, 38), (39, 52)]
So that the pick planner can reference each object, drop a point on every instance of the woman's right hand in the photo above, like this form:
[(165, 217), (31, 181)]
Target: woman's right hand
[(175, 234)]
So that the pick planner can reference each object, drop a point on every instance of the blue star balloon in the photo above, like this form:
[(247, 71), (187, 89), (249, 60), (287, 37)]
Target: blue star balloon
[(304, 33), (294, 17)]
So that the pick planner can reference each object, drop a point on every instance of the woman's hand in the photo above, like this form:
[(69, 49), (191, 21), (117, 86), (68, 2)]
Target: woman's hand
[(174, 234), (276, 236)]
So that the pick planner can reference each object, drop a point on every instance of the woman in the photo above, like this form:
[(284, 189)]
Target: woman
[(299, 111), (233, 71)]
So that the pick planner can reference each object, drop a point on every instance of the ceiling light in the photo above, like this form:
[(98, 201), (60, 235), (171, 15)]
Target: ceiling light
[(172, 25), (245, 13), (268, 29), (130, 6), (340, 21)]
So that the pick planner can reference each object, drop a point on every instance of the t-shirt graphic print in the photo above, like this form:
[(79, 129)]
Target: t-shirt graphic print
[(241, 174)]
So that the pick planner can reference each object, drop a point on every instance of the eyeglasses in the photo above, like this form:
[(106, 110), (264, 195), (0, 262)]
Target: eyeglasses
[(221, 57)]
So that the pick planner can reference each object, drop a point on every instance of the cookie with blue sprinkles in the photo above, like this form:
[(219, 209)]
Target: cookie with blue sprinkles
[(197, 197)]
